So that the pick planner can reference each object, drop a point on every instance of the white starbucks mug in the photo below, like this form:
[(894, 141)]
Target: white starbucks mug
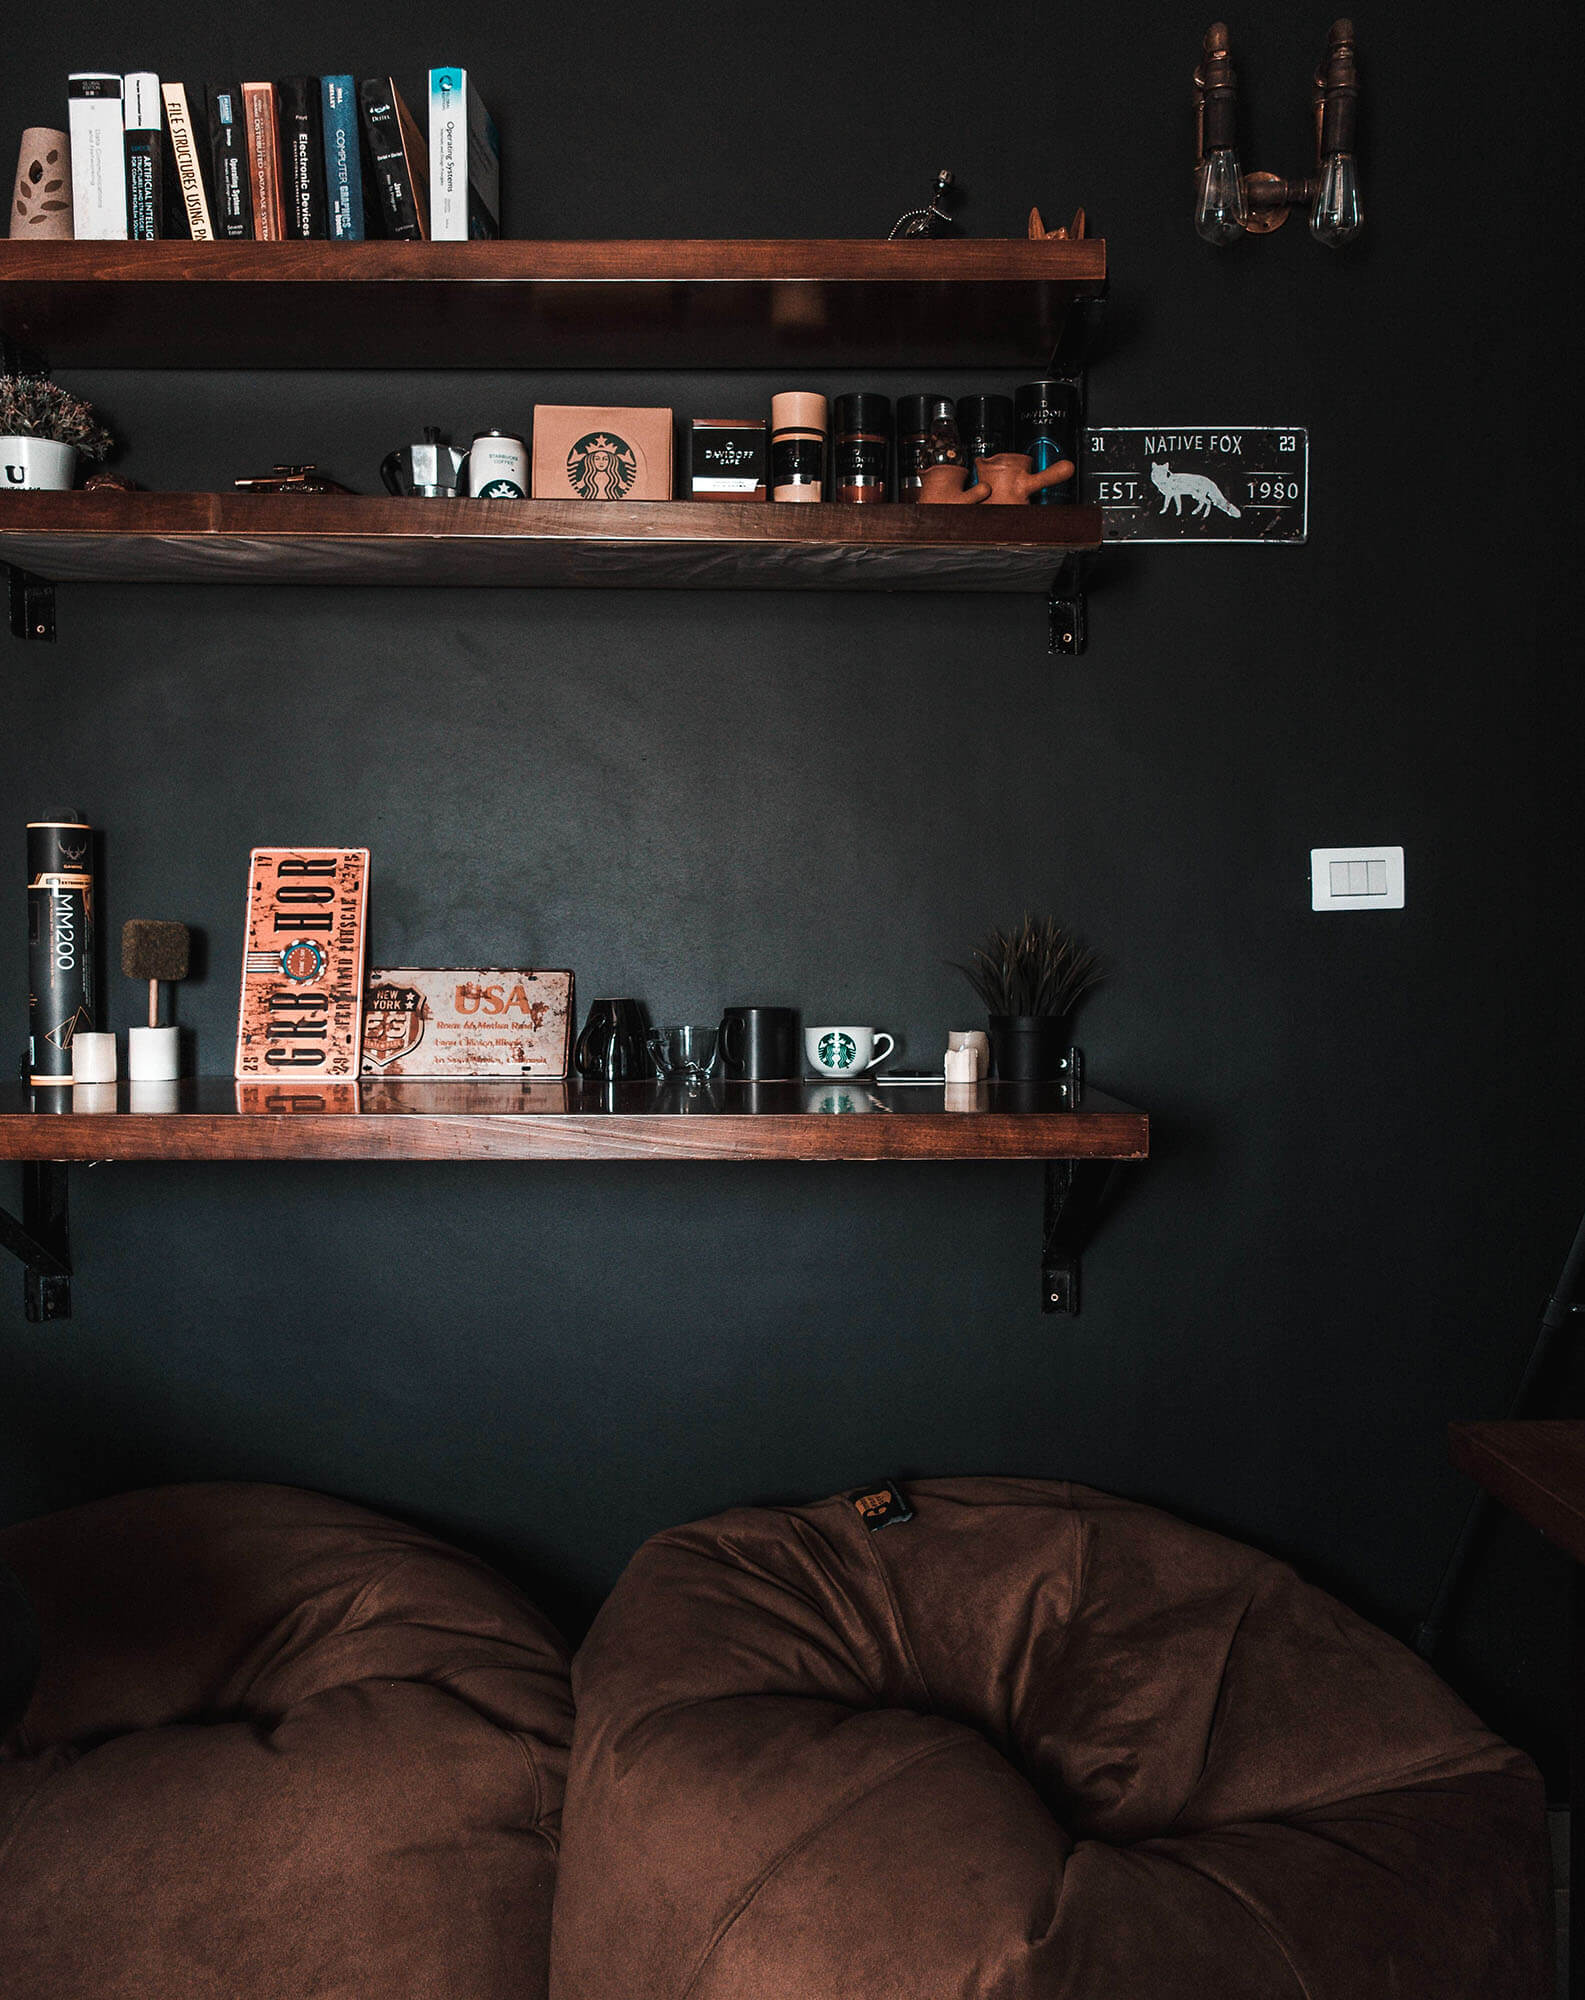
[(837, 1051)]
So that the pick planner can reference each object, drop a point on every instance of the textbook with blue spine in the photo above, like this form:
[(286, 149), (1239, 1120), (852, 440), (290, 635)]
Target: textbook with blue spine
[(343, 162)]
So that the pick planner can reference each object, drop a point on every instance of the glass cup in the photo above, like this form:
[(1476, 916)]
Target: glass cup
[(684, 1051)]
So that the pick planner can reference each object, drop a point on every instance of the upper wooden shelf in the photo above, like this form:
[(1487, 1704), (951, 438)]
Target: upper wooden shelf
[(217, 1119), (111, 537), (760, 303)]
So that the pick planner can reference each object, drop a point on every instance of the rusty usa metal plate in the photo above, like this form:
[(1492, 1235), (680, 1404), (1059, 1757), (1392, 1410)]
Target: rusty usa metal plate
[(459, 1021)]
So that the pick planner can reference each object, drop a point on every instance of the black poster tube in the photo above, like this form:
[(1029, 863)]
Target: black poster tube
[(60, 944)]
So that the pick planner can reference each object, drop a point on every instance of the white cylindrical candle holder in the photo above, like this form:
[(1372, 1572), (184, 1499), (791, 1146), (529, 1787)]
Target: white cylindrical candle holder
[(93, 1058), (153, 1055), (962, 1066)]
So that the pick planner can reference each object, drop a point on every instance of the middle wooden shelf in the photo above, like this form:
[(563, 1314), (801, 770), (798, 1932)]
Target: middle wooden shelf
[(115, 537), (295, 1118)]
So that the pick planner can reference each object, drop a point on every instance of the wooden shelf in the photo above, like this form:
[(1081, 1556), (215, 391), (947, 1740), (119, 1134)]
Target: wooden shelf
[(761, 303), (328, 538), (221, 1120)]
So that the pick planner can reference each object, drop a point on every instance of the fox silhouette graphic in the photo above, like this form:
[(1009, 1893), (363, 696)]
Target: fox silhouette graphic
[(1176, 487)]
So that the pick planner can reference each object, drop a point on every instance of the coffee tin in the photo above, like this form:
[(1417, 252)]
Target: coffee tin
[(724, 458), (497, 467), (1046, 426)]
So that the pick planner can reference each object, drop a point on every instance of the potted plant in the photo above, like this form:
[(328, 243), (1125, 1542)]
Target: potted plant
[(42, 429), (1030, 979)]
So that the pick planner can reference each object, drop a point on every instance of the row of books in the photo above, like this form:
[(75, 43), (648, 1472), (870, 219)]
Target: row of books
[(301, 158)]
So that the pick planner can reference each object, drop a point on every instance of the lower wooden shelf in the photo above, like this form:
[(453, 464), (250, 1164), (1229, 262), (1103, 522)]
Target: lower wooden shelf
[(109, 537), (216, 1119)]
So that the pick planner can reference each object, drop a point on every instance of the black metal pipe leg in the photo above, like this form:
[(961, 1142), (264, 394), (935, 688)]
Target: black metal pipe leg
[(1076, 1192), (42, 1239)]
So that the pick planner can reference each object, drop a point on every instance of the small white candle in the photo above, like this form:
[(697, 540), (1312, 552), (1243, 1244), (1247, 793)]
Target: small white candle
[(93, 1058), (976, 1039)]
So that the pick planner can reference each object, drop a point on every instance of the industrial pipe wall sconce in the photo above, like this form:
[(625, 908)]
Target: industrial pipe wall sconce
[(1229, 203)]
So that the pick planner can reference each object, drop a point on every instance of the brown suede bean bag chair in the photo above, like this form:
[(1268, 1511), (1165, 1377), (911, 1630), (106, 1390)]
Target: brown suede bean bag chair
[(278, 1749), (1033, 1742)]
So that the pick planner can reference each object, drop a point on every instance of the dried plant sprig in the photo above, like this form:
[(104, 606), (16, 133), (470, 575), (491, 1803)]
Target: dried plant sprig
[(31, 406), (1038, 967)]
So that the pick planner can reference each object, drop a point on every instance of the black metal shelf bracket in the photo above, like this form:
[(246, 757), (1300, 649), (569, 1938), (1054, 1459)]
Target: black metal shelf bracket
[(32, 601), (1067, 609), (1076, 1193), (42, 1239), (1067, 604)]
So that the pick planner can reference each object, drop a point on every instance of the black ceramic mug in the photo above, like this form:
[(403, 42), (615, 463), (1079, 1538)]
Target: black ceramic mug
[(760, 1043), (613, 1047)]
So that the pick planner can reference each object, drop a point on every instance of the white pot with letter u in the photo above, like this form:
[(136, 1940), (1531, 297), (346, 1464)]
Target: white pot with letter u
[(36, 465)]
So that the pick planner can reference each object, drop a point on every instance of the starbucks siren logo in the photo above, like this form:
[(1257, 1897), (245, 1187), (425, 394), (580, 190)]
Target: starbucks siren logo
[(602, 467), (837, 1051)]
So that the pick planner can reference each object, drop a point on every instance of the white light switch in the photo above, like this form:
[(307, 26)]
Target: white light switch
[(1356, 878)]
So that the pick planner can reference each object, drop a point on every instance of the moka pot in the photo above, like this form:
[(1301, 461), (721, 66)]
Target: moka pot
[(426, 471)]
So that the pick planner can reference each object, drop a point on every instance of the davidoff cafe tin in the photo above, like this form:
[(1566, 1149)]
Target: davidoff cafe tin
[(584, 452), (724, 459)]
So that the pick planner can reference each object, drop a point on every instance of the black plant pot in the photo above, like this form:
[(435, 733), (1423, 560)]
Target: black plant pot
[(1028, 1048)]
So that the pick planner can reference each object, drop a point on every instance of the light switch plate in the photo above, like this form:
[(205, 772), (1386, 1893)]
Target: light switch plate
[(1356, 878)]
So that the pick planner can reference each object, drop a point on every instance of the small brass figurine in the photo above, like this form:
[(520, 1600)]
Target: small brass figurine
[(1039, 233), (933, 219), (292, 479)]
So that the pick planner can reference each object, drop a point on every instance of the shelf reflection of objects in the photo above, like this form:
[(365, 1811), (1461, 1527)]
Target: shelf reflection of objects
[(295, 1100), (961, 1097), (761, 1096), (835, 1099), (93, 1097), (153, 1094), (685, 1096)]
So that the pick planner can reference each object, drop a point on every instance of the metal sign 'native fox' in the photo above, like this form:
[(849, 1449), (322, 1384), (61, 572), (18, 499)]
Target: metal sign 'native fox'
[(1222, 484)]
